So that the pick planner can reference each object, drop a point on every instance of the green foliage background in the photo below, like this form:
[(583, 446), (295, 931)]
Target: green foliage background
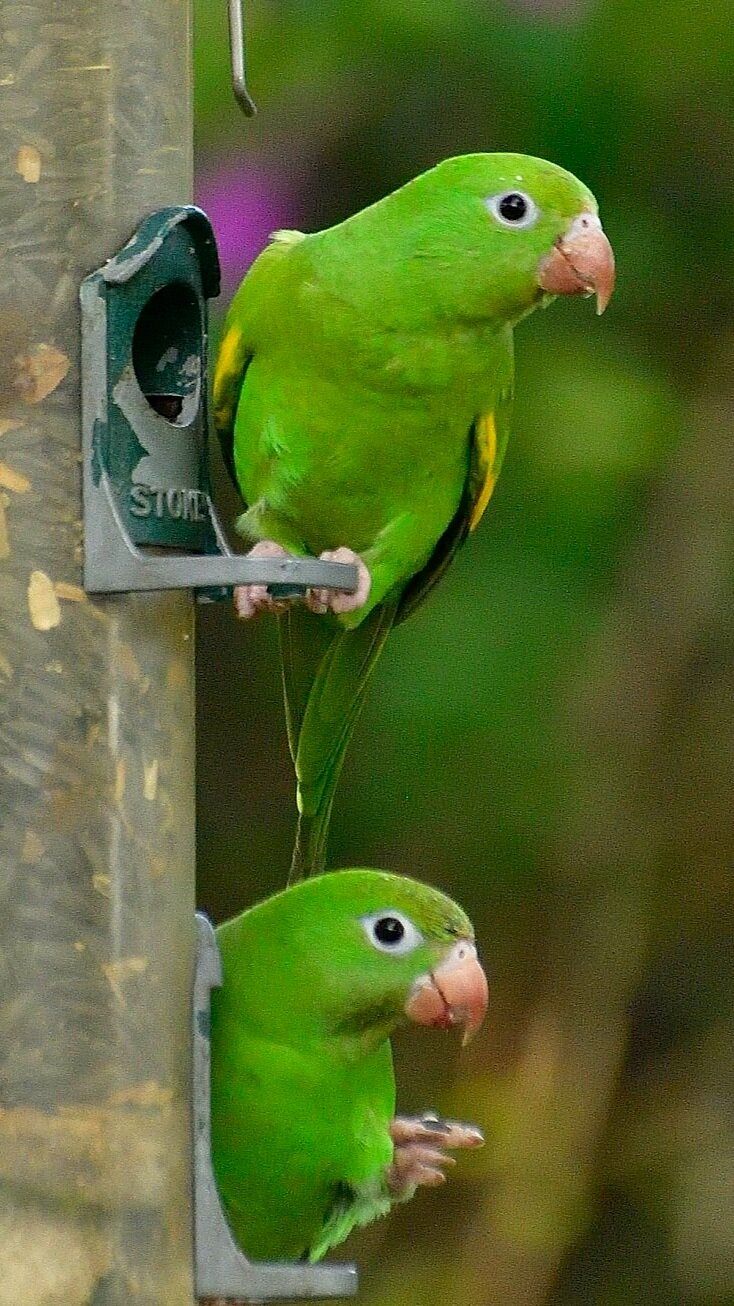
[(551, 738)]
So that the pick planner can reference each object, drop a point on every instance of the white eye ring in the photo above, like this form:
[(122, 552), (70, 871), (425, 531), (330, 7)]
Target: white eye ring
[(508, 200), (379, 926)]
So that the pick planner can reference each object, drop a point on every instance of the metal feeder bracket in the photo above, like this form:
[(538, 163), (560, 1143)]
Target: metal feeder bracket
[(222, 1270), (149, 520)]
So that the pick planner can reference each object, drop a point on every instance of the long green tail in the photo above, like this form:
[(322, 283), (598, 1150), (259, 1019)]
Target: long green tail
[(325, 675)]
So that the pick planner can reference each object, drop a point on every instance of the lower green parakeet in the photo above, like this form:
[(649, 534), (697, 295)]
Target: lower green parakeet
[(363, 394), (305, 1141)]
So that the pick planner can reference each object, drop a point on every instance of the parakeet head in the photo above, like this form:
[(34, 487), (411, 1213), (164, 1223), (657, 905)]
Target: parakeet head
[(350, 955), (488, 236)]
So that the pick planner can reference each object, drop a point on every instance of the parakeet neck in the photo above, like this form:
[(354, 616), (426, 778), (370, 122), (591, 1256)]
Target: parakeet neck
[(284, 1003), (300, 1027), (408, 265), (356, 1041)]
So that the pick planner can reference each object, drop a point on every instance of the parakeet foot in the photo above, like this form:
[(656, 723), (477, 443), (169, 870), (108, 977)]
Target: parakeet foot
[(251, 599), (321, 600), (420, 1146)]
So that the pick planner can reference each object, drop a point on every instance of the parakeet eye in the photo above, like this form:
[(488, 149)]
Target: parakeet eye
[(513, 208), (390, 931)]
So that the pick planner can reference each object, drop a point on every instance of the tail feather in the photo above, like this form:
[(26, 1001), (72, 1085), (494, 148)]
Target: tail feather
[(304, 641), (325, 681), (315, 804)]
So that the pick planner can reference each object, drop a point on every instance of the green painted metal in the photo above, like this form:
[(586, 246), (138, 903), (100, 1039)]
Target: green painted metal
[(96, 700), (146, 333)]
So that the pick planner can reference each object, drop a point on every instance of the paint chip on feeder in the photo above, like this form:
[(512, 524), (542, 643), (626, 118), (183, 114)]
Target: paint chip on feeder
[(8, 424), (33, 848), (118, 972), (39, 372), (43, 604), (28, 163), (150, 780), (69, 593), (13, 480)]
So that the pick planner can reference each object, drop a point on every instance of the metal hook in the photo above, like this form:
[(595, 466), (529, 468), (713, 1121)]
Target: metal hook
[(237, 48)]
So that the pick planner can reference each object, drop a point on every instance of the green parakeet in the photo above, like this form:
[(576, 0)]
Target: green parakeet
[(304, 1137), (363, 394)]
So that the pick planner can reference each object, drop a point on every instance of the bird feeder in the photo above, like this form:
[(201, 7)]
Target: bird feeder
[(149, 519), (150, 524)]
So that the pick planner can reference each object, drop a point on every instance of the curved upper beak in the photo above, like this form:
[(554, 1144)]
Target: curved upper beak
[(580, 263), (455, 993)]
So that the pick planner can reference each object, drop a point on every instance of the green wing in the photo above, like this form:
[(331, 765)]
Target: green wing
[(488, 442), (248, 320), (325, 674)]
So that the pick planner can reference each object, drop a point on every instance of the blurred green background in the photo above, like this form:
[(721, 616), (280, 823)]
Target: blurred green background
[(551, 737)]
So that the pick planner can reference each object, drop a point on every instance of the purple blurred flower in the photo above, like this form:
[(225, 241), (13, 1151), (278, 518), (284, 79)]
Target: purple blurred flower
[(245, 203)]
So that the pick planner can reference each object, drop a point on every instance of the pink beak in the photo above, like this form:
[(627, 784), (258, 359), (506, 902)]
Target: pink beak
[(455, 993), (580, 263)]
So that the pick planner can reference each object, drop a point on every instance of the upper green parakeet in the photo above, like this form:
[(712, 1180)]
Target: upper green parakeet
[(304, 1137), (363, 394)]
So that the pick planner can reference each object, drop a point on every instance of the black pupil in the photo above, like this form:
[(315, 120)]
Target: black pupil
[(389, 930), (513, 207)]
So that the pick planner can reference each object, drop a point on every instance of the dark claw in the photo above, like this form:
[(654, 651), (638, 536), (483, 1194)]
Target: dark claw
[(287, 591), (434, 1123)]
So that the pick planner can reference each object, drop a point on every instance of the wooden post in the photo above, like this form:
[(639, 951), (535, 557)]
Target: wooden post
[(96, 699)]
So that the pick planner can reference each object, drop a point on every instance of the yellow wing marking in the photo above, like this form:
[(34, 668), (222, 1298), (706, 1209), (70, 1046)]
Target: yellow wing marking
[(487, 449), (227, 372)]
